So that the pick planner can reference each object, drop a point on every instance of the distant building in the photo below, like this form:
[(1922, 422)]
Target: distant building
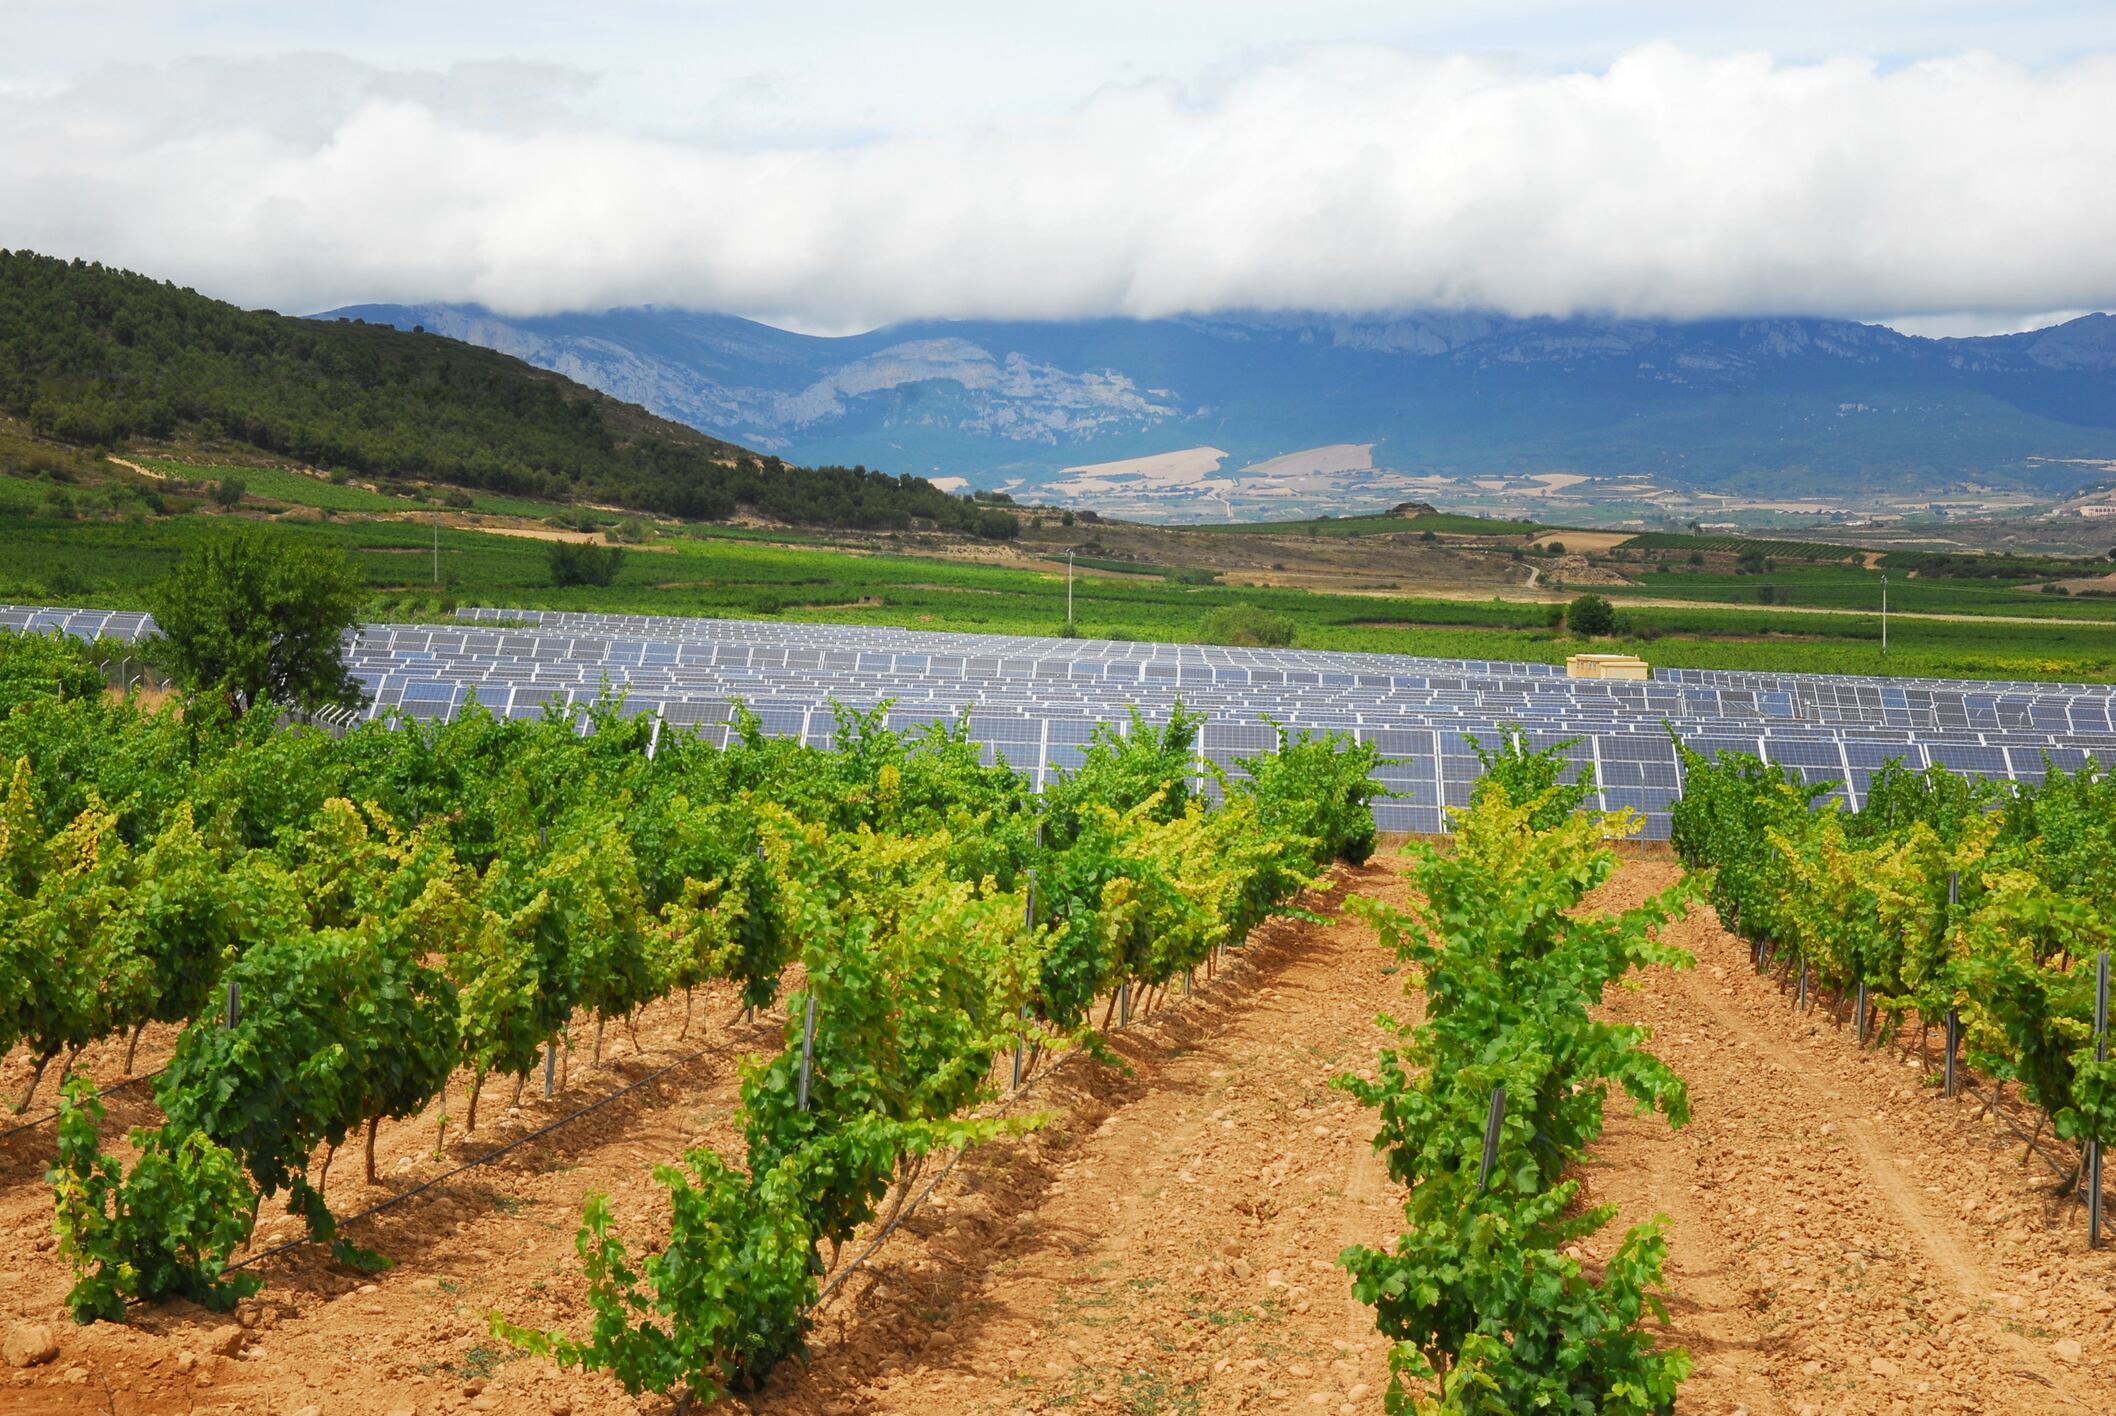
[(1607, 666), (2098, 509)]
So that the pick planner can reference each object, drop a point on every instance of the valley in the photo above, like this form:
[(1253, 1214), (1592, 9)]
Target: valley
[(1426, 582)]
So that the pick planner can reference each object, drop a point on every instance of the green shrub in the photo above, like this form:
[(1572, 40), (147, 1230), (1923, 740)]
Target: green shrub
[(44, 666), (1246, 625), (578, 563), (732, 1284), (1590, 615)]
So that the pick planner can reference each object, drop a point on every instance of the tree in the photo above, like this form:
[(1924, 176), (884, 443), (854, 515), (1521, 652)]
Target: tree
[(577, 563), (227, 493), (259, 620), (1590, 615), (995, 526)]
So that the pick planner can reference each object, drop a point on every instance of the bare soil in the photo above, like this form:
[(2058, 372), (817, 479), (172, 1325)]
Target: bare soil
[(1165, 1244), (1842, 1239), (1583, 540)]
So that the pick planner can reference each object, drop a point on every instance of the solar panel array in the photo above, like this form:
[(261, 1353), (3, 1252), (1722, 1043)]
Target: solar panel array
[(1034, 702), (126, 626)]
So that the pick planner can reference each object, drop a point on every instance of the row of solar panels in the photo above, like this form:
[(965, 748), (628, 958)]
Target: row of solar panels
[(442, 699), (389, 655), (1235, 691), (127, 626), (1749, 678), (1036, 707), (1432, 764), (1777, 695), (891, 638), (932, 641)]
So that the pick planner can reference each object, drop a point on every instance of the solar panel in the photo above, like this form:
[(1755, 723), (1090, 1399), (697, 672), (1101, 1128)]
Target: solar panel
[(1034, 702)]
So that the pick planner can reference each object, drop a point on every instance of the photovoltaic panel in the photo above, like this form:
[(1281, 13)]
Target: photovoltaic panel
[(1036, 701)]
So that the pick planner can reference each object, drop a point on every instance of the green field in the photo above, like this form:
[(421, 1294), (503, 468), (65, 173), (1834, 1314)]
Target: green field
[(1736, 545), (19, 495), (110, 563), (1114, 567), (493, 504), (1850, 588), (279, 485)]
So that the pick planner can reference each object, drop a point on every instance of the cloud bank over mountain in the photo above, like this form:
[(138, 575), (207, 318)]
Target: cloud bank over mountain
[(1349, 179)]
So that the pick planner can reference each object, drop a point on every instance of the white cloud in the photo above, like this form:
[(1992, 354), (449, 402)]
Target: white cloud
[(1350, 178), (1967, 324)]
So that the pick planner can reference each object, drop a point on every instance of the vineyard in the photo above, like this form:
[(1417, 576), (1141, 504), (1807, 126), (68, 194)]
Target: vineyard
[(1738, 545), (862, 1076), (1945, 902), (383, 911)]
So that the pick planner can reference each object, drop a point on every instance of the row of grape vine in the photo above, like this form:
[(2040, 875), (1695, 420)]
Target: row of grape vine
[(1494, 1097), (407, 902), (1972, 907)]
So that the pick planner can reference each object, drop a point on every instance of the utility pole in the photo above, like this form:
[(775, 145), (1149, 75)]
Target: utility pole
[(1069, 587), (437, 548), (1884, 614)]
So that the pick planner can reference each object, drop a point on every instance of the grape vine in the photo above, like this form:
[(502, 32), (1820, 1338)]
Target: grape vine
[(1940, 897), (410, 901), (1488, 1309)]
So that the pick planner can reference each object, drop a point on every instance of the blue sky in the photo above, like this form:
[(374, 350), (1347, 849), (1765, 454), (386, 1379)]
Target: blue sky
[(833, 165)]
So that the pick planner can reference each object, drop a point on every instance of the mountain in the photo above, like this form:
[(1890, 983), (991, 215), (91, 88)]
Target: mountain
[(1778, 405), (103, 357)]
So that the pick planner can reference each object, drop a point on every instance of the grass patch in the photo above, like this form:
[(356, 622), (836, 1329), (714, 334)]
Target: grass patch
[(479, 1362), (279, 485), (1844, 587)]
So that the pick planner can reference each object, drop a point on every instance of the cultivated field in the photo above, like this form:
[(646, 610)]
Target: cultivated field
[(1338, 591), (1842, 1240)]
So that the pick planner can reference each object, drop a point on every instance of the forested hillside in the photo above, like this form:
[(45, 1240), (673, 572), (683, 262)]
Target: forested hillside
[(102, 357)]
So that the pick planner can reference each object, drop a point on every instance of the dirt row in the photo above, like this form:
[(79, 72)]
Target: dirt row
[(1166, 1243), (1842, 1240)]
